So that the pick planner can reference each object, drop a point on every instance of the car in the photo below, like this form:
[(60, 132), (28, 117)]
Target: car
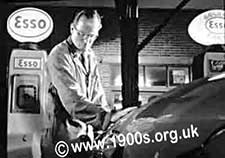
[(186, 122)]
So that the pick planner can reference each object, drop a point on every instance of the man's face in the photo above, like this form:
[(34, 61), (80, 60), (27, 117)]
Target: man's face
[(85, 32)]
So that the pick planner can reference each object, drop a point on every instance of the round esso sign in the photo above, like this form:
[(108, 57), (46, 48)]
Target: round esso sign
[(29, 25), (208, 28)]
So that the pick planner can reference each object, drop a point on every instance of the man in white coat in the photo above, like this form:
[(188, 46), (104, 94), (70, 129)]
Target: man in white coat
[(76, 95)]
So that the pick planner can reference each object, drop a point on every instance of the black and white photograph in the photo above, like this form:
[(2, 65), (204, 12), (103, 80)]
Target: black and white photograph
[(112, 79)]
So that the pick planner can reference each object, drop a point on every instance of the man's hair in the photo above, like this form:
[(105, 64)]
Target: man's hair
[(88, 13)]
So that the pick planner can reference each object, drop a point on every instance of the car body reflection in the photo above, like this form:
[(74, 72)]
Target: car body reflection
[(199, 105)]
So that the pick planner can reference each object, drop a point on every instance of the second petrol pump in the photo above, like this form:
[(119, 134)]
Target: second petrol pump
[(208, 29)]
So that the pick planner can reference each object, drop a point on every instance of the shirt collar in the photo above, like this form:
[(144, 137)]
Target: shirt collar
[(74, 50)]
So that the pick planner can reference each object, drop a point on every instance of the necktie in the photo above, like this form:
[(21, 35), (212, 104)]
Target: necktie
[(84, 61)]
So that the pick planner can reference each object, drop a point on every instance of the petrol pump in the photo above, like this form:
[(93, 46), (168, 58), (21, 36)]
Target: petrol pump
[(27, 80), (208, 29), (26, 91)]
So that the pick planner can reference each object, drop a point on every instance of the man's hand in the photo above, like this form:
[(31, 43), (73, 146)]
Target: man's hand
[(116, 116)]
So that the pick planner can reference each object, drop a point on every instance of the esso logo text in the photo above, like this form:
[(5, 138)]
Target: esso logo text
[(29, 25), (27, 63), (216, 25)]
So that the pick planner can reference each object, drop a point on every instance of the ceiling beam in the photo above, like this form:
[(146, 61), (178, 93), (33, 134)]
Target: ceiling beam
[(158, 28)]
